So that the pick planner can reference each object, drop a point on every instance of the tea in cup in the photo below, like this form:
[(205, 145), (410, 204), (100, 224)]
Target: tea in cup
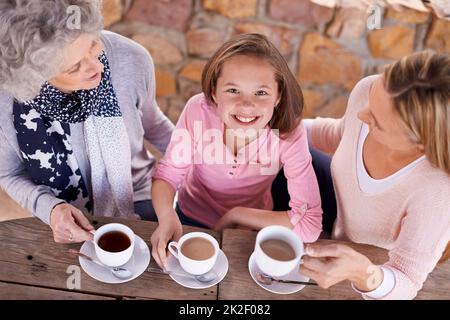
[(114, 244), (278, 250), (196, 252)]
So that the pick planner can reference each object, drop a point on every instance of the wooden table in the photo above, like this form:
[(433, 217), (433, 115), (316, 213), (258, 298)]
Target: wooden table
[(33, 266), (238, 246)]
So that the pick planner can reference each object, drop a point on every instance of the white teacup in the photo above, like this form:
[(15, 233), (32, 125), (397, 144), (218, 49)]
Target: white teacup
[(196, 264), (109, 258), (272, 263)]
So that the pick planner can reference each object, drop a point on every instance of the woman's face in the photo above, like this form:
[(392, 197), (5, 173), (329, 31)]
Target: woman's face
[(246, 93), (81, 69), (384, 123)]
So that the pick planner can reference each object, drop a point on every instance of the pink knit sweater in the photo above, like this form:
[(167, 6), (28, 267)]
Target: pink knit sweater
[(411, 218), (208, 189)]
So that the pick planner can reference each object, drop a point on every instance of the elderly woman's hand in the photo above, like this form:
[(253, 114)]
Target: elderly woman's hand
[(69, 224), (333, 263)]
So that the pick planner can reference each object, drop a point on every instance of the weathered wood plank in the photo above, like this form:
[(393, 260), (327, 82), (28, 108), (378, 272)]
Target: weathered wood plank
[(12, 291), (28, 255), (238, 246)]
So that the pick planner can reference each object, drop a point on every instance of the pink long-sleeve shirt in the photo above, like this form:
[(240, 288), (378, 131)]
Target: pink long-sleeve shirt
[(211, 180), (411, 218)]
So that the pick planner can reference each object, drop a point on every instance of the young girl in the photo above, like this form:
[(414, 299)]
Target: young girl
[(249, 111)]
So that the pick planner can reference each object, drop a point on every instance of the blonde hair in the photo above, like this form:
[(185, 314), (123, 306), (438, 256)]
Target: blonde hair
[(419, 85), (289, 111), (446, 254), (420, 88)]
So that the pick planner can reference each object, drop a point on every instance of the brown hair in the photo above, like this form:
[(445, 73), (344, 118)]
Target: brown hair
[(288, 114), (419, 85), (446, 254)]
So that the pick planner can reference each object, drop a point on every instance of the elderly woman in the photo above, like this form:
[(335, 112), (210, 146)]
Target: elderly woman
[(77, 104), (391, 173)]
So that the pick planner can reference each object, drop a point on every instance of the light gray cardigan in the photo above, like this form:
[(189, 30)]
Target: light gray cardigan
[(133, 78)]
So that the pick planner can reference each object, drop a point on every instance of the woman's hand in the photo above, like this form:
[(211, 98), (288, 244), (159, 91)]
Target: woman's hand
[(168, 229), (69, 224), (333, 263)]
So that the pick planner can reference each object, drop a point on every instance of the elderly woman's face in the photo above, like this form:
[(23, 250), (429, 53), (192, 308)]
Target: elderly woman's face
[(81, 69)]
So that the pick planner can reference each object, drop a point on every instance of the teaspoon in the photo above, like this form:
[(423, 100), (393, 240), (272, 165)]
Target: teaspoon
[(204, 278), (268, 280), (119, 272)]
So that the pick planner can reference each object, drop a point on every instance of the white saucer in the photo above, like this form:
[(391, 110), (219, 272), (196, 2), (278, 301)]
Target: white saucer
[(220, 268), (275, 287), (137, 264)]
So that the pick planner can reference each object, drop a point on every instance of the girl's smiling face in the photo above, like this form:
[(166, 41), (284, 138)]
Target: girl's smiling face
[(246, 93)]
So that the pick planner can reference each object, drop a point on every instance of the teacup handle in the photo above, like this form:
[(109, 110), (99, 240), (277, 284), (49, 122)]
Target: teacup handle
[(93, 233), (300, 261), (172, 250)]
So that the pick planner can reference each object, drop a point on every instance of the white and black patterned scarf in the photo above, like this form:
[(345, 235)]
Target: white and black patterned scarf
[(43, 133)]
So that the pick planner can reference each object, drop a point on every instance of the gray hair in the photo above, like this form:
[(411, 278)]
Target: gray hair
[(33, 36)]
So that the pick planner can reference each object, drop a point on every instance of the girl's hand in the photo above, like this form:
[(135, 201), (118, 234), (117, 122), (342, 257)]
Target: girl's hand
[(69, 225), (228, 220), (333, 263), (167, 230)]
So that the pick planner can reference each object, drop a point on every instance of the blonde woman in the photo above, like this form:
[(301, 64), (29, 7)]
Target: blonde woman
[(391, 173)]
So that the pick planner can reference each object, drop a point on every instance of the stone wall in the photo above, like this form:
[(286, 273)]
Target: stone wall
[(328, 49)]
